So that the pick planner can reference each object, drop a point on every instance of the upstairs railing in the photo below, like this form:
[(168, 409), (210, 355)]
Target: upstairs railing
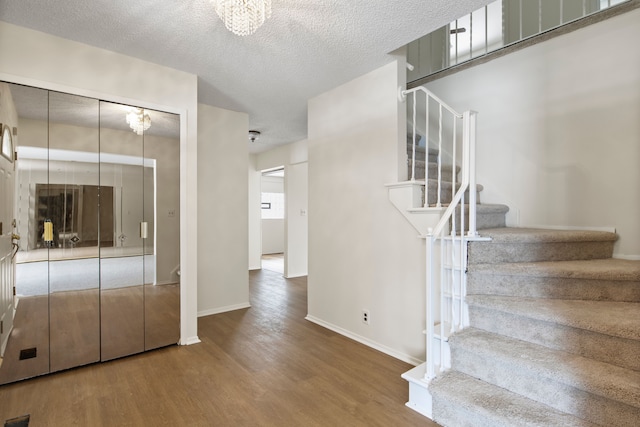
[(446, 243), (499, 24)]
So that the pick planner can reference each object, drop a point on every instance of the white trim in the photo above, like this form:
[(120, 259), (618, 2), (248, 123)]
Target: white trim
[(224, 309), (369, 343), (101, 96), (190, 341), (570, 227), (627, 257)]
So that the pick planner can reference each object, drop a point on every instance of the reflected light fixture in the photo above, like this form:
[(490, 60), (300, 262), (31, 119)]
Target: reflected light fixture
[(243, 17), (138, 120)]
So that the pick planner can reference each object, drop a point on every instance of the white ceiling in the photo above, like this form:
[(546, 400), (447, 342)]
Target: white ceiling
[(306, 48)]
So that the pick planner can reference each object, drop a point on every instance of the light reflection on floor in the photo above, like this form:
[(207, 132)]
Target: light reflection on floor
[(273, 262)]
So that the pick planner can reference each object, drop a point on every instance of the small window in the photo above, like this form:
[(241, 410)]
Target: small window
[(272, 205), (7, 143)]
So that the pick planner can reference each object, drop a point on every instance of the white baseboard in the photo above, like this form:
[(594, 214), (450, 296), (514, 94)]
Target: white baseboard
[(190, 340), (362, 340), (219, 310), (293, 276), (570, 227), (627, 257)]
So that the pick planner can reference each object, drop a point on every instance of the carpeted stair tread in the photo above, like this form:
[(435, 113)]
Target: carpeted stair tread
[(535, 245), (617, 319), (481, 404), (534, 235), (598, 280), (599, 269), (548, 365), (555, 330)]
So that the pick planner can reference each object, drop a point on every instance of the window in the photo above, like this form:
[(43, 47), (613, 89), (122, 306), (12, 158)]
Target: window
[(272, 205)]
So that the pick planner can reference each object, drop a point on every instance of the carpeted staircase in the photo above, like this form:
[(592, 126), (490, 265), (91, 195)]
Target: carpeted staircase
[(488, 215), (554, 336)]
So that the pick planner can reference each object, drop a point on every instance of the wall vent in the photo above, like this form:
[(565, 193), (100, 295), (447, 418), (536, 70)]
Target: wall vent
[(28, 353)]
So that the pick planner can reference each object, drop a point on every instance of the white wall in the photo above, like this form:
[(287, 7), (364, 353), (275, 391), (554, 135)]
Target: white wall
[(38, 59), (254, 215), (558, 129), (272, 184), (296, 232), (294, 158), (223, 208), (272, 236), (362, 252)]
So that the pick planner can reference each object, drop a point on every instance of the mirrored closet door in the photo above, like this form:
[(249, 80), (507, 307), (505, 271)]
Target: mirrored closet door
[(95, 241)]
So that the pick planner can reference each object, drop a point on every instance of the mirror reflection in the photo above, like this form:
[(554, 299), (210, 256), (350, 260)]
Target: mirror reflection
[(96, 206)]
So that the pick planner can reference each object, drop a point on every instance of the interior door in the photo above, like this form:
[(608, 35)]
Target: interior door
[(122, 254), (26, 342), (7, 278)]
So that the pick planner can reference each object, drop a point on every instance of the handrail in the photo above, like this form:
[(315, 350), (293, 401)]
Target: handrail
[(435, 98), (445, 277)]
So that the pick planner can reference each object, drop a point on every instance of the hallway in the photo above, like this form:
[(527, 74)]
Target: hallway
[(264, 366)]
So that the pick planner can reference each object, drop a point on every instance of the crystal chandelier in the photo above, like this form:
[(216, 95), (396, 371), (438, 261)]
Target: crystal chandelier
[(138, 120), (243, 17)]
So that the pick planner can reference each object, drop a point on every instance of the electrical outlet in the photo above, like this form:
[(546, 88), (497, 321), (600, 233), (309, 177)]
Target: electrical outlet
[(365, 317)]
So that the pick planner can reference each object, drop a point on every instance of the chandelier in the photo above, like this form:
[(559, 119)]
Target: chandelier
[(243, 17), (138, 120)]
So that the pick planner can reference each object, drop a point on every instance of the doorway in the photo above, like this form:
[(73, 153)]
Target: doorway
[(272, 208)]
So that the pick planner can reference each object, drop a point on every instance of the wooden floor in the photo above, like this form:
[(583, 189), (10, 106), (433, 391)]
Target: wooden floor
[(262, 366)]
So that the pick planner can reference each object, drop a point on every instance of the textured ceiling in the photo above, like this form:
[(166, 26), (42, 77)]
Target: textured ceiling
[(307, 46)]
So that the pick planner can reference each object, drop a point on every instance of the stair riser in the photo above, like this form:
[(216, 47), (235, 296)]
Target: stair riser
[(446, 413), (445, 193), (605, 348), (552, 287), (502, 372), (499, 252), (483, 220), (421, 152), (421, 156), (446, 172)]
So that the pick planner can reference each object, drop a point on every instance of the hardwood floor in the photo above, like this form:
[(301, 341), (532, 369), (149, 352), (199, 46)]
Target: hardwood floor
[(262, 366)]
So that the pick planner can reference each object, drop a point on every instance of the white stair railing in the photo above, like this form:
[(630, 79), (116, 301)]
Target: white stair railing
[(446, 243)]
